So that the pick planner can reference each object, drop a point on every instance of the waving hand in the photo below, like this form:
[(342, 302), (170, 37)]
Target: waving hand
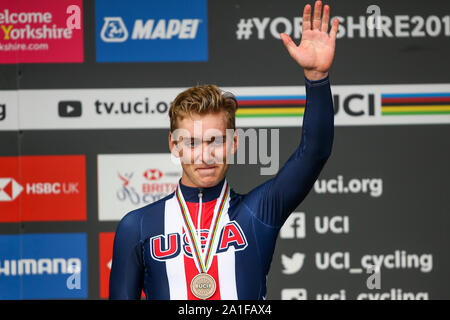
[(315, 52)]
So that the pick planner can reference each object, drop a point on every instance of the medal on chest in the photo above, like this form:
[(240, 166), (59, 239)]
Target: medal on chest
[(203, 285)]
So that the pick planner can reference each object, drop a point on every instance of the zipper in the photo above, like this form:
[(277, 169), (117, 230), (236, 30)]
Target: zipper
[(199, 216)]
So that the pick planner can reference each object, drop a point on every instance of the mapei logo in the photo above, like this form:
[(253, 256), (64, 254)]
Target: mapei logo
[(114, 30), (166, 247), (140, 31)]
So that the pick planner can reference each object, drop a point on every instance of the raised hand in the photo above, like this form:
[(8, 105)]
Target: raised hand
[(315, 52)]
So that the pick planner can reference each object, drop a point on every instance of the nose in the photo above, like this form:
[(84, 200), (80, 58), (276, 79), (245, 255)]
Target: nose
[(207, 153)]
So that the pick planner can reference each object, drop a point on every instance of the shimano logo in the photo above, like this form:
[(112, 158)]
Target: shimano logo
[(39, 266), (114, 29)]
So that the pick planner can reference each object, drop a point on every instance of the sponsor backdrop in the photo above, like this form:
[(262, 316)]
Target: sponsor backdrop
[(85, 90)]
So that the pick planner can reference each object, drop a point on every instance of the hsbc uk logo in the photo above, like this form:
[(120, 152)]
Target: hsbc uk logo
[(45, 187), (10, 189)]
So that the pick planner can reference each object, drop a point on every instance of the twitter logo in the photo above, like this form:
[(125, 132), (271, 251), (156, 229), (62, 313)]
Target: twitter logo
[(292, 264)]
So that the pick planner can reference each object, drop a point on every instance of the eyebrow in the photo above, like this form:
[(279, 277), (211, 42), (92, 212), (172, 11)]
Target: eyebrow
[(207, 139)]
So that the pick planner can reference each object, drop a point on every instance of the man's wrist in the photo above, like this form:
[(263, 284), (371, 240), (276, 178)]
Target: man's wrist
[(315, 75)]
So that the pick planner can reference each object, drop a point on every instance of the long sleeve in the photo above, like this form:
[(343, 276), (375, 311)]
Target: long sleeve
[(127, 271), (274, 200)]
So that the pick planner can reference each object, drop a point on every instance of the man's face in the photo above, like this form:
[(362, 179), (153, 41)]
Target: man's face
[(202, 144)]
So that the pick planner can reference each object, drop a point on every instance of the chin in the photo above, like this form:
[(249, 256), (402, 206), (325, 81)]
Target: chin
[(208, 182)]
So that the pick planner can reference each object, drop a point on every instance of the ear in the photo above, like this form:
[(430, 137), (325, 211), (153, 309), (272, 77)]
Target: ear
[(235, 142), (173, 146)]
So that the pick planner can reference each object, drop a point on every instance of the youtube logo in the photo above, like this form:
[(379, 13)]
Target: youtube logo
[(9, 189), (69, 109)]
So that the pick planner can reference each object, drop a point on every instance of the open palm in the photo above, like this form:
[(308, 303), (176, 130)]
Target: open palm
[(315, 52)]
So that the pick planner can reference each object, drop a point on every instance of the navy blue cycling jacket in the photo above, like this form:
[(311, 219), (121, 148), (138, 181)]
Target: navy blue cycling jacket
[(152, 252)]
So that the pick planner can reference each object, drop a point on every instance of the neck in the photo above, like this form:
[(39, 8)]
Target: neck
[(190, 193)]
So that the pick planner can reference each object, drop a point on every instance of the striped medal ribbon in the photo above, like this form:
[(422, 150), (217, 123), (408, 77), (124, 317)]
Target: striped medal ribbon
[(203, 285)]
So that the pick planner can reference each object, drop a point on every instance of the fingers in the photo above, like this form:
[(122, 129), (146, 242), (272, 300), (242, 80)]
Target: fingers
[(319, 22), (317, 14), (325, 18), (334, 29), (306, 21)]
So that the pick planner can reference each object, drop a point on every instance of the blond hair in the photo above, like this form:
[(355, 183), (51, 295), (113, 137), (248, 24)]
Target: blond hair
[(203, 99)]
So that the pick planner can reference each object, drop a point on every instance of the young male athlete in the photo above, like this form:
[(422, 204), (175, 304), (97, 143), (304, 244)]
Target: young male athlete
[(204, 241)]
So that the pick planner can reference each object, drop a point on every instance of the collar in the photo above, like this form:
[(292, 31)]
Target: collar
[(190, 194)]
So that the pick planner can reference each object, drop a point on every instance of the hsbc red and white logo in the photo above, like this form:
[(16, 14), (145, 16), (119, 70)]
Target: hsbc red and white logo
[(153, 174), (9, 189), (48, 188)]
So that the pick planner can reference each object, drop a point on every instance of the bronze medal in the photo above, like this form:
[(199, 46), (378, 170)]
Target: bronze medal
[(203, 286)]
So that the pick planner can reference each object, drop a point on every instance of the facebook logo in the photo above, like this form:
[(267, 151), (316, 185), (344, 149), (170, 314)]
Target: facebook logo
[(294, 227)]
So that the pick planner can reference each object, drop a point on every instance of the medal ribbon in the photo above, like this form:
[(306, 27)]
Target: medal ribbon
[(203, 264)]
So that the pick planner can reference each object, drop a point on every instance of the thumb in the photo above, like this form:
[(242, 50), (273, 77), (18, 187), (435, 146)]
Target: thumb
[(288, 43)]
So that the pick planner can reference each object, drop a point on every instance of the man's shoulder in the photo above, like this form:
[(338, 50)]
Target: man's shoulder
[(256, 194), (256, 191)]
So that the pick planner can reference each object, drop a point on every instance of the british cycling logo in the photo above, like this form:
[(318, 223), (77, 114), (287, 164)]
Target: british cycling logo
[(114, 30)]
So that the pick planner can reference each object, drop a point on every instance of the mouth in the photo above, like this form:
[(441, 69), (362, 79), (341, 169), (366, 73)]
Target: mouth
[(206, 170)]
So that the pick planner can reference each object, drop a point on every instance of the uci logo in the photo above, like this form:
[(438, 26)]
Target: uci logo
[(164, 247), (354, 105), (204, 285), (114, 30)]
